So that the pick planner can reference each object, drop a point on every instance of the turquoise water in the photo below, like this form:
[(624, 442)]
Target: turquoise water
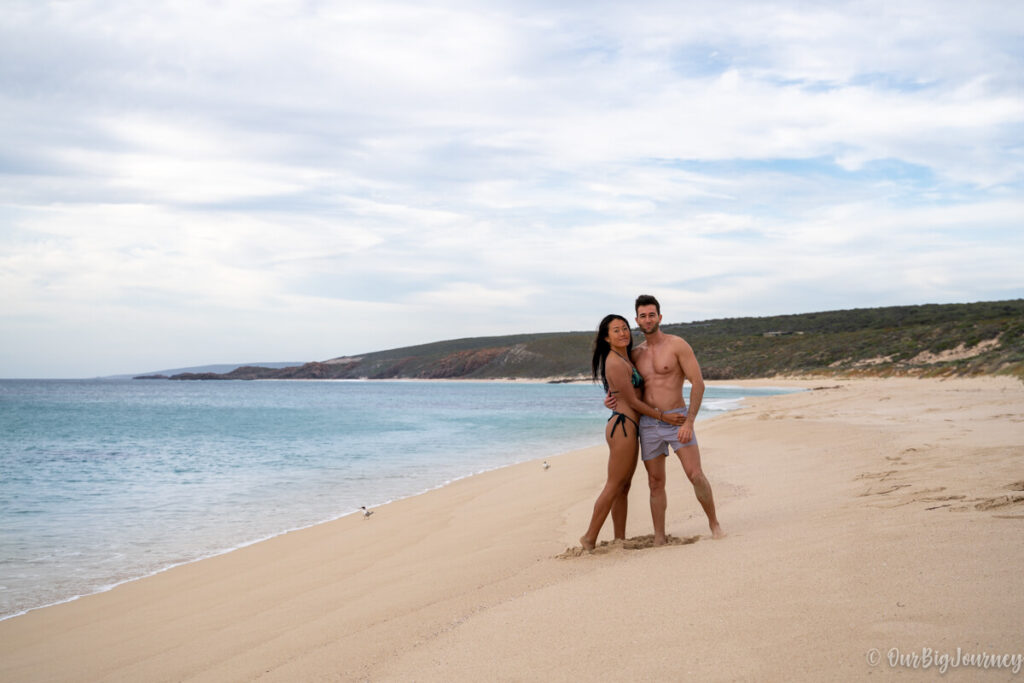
[(105, 481)]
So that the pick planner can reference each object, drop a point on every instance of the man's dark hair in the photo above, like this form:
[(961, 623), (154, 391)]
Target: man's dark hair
[(646, 300)]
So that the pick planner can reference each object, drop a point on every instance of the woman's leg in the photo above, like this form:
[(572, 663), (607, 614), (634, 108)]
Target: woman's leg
[(622, 453), (620, 508)]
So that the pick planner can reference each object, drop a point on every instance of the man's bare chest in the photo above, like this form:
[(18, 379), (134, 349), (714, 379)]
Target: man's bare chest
[(657, 363)]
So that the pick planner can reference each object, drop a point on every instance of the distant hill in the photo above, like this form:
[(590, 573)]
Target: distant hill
[(217, 368), (932, 340)]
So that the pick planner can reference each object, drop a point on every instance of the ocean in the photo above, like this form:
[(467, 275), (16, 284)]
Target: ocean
[(106, 481)]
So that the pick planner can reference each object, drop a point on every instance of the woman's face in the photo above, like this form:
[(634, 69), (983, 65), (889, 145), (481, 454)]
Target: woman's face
[(618, 333)]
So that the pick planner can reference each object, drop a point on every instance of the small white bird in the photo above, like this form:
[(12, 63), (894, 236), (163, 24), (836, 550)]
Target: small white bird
[(546, 465), (366, 513)]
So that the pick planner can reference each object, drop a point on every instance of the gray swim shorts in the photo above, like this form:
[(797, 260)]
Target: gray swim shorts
[(656, 436)]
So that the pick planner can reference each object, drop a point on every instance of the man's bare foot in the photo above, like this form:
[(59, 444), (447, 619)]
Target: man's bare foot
[(660, 540), (716, 532), (587, 544)]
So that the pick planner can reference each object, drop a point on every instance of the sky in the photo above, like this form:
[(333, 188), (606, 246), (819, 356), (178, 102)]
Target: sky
[(187, 182)]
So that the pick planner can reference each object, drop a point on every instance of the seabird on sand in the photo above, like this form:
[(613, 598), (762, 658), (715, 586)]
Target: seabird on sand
[(546, 465), (366, 513)]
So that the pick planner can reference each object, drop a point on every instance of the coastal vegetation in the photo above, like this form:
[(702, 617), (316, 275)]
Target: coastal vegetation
[(926, 340)]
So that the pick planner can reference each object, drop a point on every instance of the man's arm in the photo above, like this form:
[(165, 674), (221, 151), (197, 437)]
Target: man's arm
[(691, 371), (609, 400)]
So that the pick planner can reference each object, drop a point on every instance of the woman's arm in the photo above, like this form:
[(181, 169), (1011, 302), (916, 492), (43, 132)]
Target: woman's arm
[(619, 374)]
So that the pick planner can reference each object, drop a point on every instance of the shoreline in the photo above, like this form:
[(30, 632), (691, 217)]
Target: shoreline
[(263, 539), (429, 572), (147, 573), (285, 532)]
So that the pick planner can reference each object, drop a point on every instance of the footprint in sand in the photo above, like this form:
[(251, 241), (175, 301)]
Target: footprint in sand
[(999, 502), (981, 504), (635, 543), (881, 476), (642, 542), (883, 492), (922, 497)]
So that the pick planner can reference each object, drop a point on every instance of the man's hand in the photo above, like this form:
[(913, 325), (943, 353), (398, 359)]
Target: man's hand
[(610, 401), (685, 433)]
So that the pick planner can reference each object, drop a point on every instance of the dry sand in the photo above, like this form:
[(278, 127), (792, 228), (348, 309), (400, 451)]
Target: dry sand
[(869, 514)]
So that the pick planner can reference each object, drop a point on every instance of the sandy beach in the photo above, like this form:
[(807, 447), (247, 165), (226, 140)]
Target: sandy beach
[(864, 517)]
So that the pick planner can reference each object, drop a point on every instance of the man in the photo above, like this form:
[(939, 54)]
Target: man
[(665, 361)]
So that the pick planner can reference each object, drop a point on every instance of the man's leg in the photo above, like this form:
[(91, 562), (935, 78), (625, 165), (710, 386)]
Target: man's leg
[(690, 457), (659, 501)]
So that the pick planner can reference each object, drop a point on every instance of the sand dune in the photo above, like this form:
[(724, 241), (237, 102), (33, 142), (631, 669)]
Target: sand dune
[(867, 516)]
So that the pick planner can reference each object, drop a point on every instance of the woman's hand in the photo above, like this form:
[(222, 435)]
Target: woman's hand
[(677, 419)]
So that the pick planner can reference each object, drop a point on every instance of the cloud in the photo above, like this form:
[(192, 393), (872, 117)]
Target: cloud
[(187, 183)]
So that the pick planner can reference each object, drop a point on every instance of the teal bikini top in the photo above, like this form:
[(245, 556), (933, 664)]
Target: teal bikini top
[(636, 379)]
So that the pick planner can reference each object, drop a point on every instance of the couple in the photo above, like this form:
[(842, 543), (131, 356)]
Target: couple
[(645, 393)]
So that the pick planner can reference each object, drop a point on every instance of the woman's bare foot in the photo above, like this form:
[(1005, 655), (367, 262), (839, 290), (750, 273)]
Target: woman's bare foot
[(587, 543), (660, 539), (716, 532)]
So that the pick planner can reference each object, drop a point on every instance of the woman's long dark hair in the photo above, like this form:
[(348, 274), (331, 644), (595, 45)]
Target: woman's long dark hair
[(602, 348)]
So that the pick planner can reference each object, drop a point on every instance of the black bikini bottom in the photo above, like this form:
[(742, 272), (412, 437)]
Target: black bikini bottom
[(620, 419)]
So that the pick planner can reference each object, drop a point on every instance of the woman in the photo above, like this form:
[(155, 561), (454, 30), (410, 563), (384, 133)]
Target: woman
[(611, 363)]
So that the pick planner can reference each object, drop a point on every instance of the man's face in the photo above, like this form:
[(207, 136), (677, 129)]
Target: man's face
[(647, 318)]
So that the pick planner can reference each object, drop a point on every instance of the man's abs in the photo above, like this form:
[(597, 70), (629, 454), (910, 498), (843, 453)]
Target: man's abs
[(664, 393)]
